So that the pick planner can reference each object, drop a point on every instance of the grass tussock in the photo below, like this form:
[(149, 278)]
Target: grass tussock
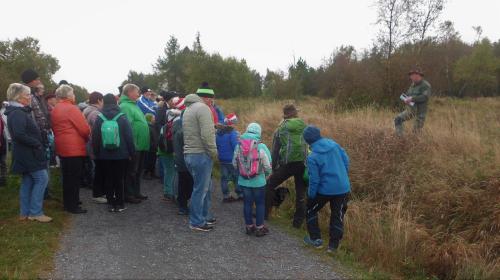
[(429, 203)]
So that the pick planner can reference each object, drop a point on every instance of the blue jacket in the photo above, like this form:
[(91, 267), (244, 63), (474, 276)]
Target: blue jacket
[(328, 166), (226, 140), (28, 152), (146, 105)]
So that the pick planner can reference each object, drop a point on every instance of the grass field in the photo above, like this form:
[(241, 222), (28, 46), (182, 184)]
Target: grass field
[(27, 248), (425, 206)]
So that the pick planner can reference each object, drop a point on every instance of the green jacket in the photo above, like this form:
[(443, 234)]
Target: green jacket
[(288, 143), (420, 92), (198, 127), (140, 128)]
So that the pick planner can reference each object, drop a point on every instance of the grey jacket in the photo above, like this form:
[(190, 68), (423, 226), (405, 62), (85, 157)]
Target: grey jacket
[(198, 127)]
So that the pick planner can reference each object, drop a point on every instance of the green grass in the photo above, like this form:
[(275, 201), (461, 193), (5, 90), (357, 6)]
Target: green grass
[(27, 247)]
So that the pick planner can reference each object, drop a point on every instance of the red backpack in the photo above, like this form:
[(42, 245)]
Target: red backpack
[(248, 158)]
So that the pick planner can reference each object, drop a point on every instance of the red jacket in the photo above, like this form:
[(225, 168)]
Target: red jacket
[(71, 130)]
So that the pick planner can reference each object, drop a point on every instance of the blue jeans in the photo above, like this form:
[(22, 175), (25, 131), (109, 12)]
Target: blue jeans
[(33, 186), (229, 174), (169, 174), (251, 196), (200, 167)]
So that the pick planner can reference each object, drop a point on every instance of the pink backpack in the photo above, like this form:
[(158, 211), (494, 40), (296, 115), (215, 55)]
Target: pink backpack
[(248, 158)]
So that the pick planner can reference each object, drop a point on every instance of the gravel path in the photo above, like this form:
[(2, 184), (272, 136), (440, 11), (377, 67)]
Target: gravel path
[(150, 240)]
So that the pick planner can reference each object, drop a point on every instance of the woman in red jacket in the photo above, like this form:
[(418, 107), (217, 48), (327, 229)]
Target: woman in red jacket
[(71, 132)]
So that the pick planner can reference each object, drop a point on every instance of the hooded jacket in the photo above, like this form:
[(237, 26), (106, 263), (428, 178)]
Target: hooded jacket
[(71, 130), (28, 152), (328, 166), (140, 128), (254, 132), (127, 147), (227, 140), (198, 127)]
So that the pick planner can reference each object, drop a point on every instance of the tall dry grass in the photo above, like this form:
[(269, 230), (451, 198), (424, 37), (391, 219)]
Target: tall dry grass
[(429, 203)]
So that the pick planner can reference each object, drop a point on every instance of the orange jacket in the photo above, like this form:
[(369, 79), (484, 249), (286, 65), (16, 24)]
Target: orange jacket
[(71, 130)]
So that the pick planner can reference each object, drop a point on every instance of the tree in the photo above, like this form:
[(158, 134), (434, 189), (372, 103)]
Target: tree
[(392, 17), (478, 72), (423, 15), (21, 54)]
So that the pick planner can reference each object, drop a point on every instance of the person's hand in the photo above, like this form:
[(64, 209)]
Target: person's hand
[(408, 100)]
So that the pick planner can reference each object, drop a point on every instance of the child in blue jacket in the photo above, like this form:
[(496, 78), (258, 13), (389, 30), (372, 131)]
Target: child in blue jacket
[(328, 168), (227, 140)]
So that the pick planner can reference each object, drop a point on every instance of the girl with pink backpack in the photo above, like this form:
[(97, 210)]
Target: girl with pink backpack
[(252, 159)]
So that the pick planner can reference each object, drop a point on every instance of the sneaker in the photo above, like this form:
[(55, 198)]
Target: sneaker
[(259, 232), (331, 250), (41, 219), (250, 230), (183, 212), (111, 209), (120, 209), (100, 200), (211, 222), (317, 243), (204, 228)]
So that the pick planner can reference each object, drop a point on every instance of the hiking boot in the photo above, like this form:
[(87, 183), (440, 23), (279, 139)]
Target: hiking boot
[(316, 243), (203, 228), (120, 208), (41, 219), (133, 200), (259, 232), (100, 200), (250, 230), (141, 197), (211, 222)]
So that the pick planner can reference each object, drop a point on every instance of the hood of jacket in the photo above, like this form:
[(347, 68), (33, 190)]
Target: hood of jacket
[(191, 99), (295, 125), (110, 111), (9, 109), (253, 132), (323, 145)]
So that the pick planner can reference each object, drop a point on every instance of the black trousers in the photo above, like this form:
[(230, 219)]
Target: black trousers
[(133, 176), (280, 175), (88, 173), (72, 173), (99, 183), (185, 188), (113, 174), (338, 207), (150, 162)]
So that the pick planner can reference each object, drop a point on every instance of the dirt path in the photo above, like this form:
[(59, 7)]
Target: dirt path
[(150, 240)]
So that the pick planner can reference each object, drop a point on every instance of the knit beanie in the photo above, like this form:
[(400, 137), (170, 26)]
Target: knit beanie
[(109, 99), (231, 119), (29, 76), (254, 128), (311, 134), (205, 91)]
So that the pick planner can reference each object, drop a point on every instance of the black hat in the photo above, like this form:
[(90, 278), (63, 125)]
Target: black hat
[(29, 76), (109, 99), (145, 89), (167, 95), (63, 82)]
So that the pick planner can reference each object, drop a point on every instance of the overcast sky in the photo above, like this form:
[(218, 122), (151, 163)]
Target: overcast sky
[(97, 42)]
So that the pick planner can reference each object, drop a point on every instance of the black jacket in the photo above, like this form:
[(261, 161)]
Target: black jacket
[(28, 152), (178, 141), (126, 149)]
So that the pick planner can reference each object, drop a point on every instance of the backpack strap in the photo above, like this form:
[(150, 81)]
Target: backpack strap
[(117, 116), (102, 117)]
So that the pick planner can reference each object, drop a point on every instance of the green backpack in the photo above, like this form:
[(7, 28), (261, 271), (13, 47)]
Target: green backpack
[(293, 146), (110, 132)]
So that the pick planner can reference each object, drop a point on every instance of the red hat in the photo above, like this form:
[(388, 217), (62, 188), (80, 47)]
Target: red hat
[(179, 103), (231, 119)]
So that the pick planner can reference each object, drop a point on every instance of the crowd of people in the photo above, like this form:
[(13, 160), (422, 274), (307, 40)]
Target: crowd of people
[(112, 142)]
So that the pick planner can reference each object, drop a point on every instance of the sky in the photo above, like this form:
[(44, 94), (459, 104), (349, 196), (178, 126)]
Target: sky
[(98, 41)]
